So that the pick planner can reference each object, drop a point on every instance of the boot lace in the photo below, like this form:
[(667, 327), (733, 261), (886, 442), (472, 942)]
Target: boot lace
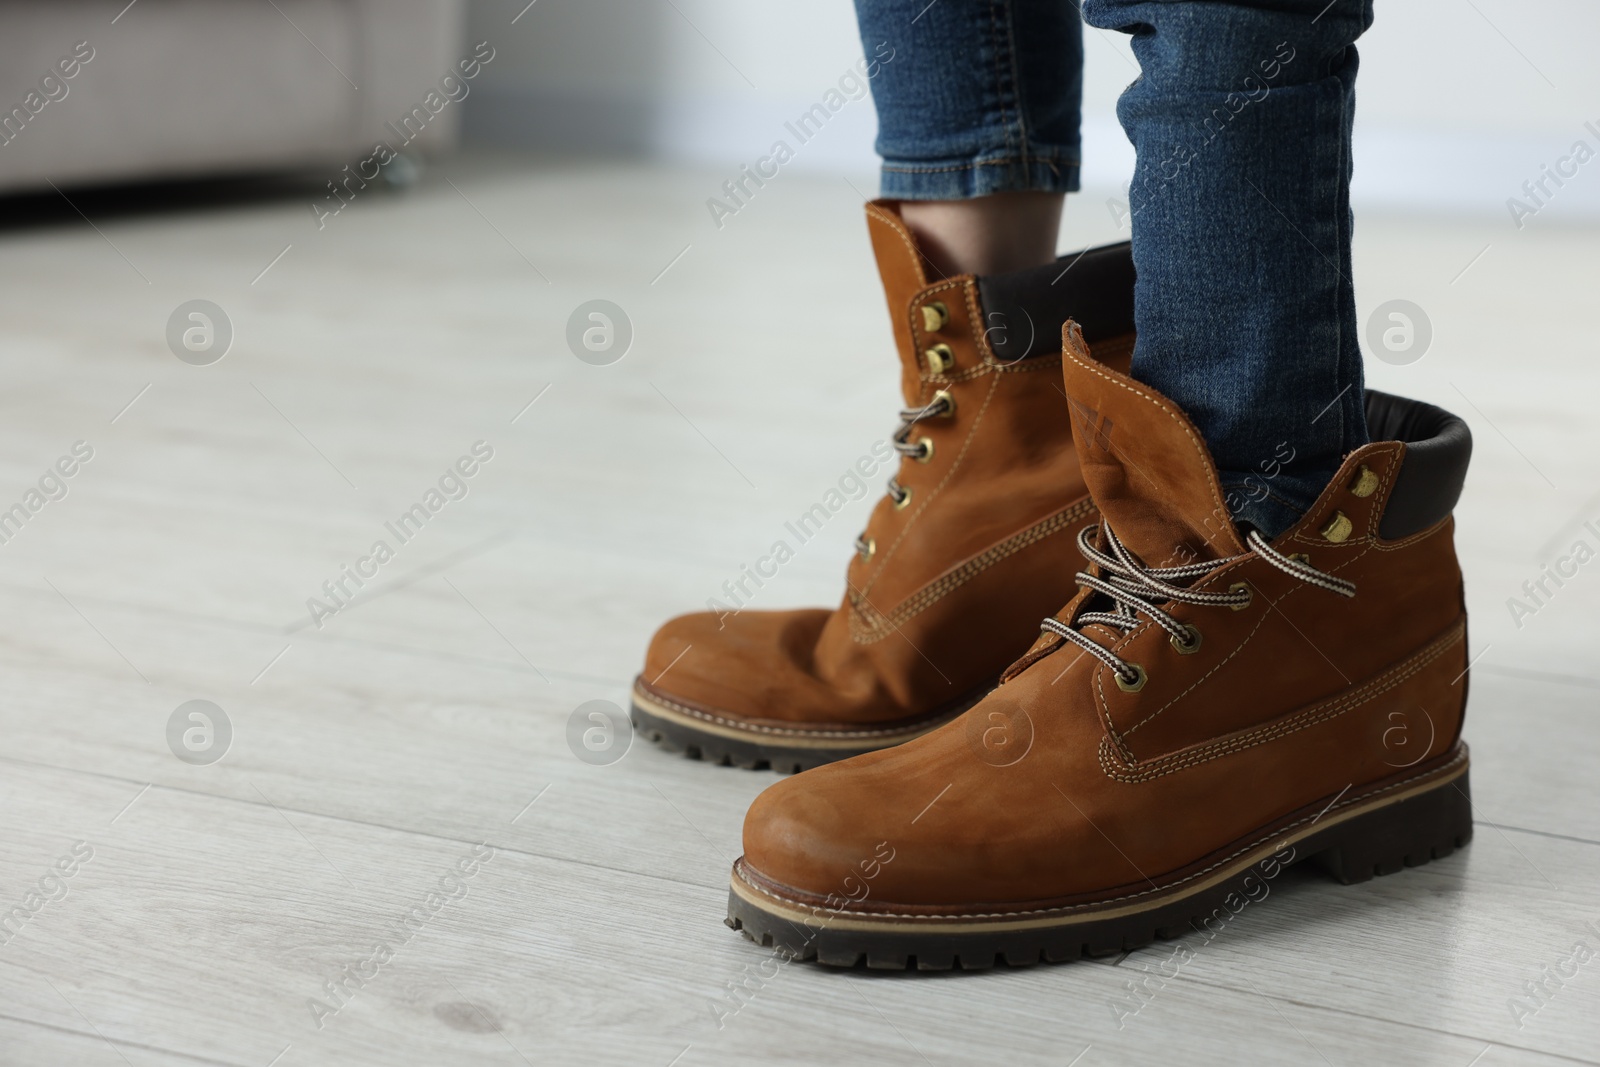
[(940, 405), (1135, 590)]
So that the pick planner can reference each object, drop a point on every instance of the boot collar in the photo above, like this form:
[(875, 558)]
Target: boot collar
[(1005, 318)]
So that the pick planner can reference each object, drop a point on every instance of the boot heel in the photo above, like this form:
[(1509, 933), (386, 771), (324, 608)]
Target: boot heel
[(1408, 833)]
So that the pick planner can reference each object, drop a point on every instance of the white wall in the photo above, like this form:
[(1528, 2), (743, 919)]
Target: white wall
[(1460, 101)]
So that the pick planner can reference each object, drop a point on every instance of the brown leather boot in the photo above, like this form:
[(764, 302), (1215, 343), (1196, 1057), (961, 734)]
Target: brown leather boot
[(956, 565), (1207, 710)]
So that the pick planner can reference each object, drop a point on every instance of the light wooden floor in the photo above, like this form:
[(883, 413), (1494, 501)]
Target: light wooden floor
[(368, 756)]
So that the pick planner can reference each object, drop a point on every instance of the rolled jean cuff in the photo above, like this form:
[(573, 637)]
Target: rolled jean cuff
[(1050, 170)]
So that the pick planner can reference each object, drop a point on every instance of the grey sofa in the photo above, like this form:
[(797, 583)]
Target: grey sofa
[(96, 92)]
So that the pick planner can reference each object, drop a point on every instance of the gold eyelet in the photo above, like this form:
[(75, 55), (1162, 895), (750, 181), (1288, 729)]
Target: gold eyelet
[(1250, 594), (1139, 678), (1300, 557), (949, 403), (867, 548), (1189, 647), (934, 316), (1366, 483), (1338, 528), (940, 359), (927, 449), (904, 499)]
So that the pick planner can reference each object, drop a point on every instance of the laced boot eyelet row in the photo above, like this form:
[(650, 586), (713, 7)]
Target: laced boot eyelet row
[(942, 406), (1136, 593)]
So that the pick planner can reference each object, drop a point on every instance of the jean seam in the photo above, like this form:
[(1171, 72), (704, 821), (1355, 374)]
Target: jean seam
[(1341, 223), (1046, 160), (1004, 92), (1355, 430), (980, 178), (1333, 173), (1019, 98)]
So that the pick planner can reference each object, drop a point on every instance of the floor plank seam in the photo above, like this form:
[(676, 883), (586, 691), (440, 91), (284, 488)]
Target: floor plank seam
[(1536, 833), (1392, 1022), (93, 1037), (267, 629), (423, 572), (1573, 681), (718, 886)]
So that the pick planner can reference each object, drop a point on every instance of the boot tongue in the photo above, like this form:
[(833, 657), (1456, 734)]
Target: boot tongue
[(1147, 467), (904, 274)]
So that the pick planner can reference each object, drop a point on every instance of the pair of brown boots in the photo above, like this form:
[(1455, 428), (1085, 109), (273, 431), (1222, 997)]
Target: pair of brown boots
[(1206, 708)]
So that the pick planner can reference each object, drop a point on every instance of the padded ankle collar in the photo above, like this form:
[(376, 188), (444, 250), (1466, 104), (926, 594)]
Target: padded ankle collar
[(1438, 448), (1025, 310)]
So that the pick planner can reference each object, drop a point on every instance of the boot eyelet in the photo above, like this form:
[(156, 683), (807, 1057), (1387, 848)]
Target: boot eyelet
[(1242, 587), (926, 454), (1189, 646), (1137, 682), (949, 411), (934, 316), (901, 501), (1300, 557), (1338, 528), (1366, 483), (940, 359), (866, 547)]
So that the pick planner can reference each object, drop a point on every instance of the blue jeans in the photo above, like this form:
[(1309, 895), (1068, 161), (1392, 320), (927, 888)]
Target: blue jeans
[(1241, 120)]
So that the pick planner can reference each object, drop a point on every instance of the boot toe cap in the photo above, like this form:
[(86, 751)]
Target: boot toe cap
[(800, 836), (753, 665), (674, 640)]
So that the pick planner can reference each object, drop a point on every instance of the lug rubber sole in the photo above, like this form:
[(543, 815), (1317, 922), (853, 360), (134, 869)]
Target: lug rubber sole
[(785, 750), (1405, 824)]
